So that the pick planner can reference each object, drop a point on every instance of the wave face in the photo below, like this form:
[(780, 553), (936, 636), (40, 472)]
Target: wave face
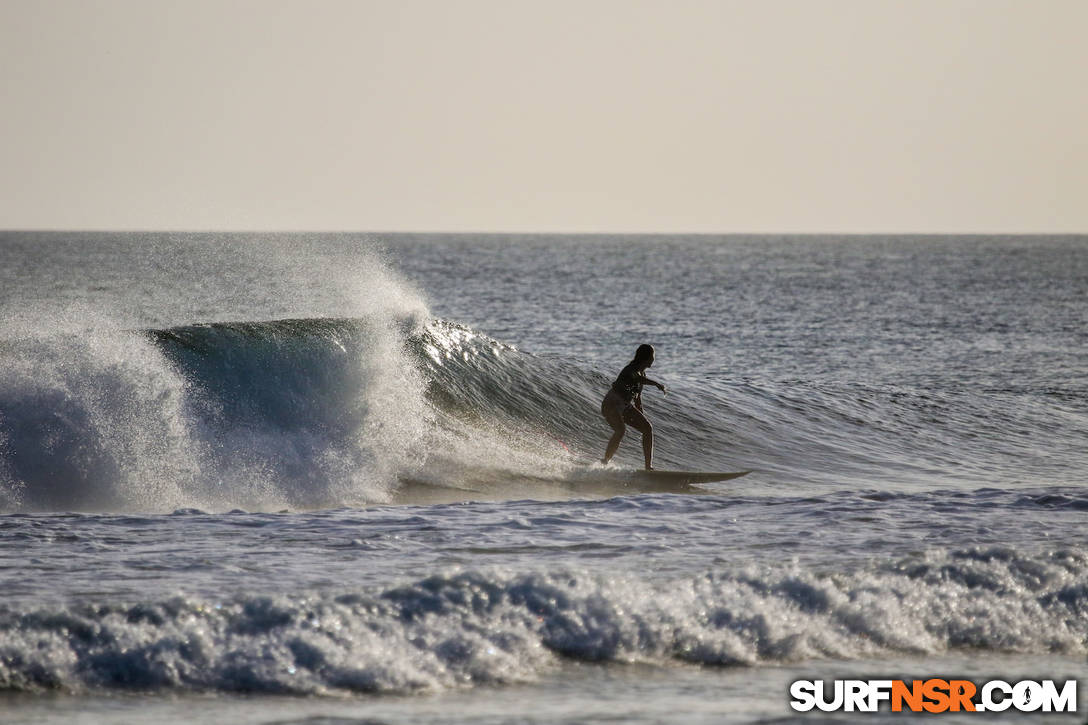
[(449, 630), (324, 412), (295, 413), (356, 392)]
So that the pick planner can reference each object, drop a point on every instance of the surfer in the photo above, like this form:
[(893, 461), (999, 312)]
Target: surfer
[(622, 406)]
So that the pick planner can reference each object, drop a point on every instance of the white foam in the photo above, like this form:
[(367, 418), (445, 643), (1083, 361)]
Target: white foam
[(94, 416), (481, 627)]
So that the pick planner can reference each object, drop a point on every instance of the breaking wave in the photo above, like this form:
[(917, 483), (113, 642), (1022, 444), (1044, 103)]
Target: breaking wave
[(326, 412), (479, 627)]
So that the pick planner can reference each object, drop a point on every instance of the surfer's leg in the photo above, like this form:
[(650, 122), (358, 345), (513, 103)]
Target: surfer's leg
[(639, 422), (615, 419), (613, 446)]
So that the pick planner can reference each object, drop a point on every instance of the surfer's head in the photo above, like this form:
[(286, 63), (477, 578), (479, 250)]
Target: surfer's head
[(645, 354)]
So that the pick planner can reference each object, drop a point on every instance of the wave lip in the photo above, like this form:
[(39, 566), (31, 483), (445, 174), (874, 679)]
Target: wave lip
[(481, 627)]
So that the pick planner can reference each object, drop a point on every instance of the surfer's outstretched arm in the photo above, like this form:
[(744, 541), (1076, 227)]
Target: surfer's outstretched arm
[(654, 383)]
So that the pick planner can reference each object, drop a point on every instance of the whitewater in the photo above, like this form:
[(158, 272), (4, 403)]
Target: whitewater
[(340, 477)]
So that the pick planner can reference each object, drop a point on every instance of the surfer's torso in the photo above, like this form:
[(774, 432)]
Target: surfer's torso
[(629, 383)]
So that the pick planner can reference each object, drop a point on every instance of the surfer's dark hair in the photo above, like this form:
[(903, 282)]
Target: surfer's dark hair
[(643, 352)]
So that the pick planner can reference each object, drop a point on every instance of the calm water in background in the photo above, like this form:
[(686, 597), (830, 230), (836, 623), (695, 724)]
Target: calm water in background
[(247, 427)]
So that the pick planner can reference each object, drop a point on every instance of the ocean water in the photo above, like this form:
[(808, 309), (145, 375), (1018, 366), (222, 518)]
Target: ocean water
[(354, 478)]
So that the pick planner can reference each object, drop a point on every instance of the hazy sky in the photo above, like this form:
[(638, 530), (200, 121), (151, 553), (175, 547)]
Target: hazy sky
[(545, 115)]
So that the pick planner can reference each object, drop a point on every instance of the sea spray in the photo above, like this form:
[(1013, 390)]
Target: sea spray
[(96, 414), (94, 421)]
